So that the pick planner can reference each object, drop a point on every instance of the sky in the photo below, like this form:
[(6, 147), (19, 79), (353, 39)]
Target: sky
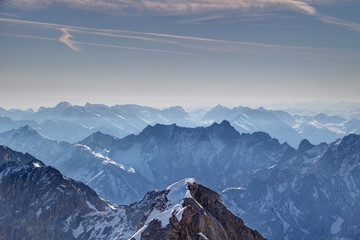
[(175, 52)]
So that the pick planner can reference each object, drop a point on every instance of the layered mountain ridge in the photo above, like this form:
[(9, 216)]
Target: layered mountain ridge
[(72, 123), (282, 191)]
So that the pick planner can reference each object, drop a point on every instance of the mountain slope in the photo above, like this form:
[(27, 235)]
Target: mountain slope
[(316, 196), (216, 155), (108, 178), (38, 202), (282, 191), (48, 205)]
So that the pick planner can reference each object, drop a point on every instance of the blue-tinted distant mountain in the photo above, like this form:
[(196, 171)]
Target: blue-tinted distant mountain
[(285, 127), (57, 130), (323, 128), (248, 120), (118, 120), (35, 196), (16, 114), (7, 123), (109, 179), (217, 155), (99, 142), (311, 108), (313, 195), (325, 119), (198, 113), (71, 123)]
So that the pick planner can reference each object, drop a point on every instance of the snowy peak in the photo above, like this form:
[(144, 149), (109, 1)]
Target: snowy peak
[(188, 210), (25, 132)]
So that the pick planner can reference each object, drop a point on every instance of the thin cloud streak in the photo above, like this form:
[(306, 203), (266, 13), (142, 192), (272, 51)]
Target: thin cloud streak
[(96, 44), (109, 32), (135, 48), (94, 32), (339, 22), (28, 36)]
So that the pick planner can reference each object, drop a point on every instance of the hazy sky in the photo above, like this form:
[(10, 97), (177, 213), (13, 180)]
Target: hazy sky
[(177, 52)]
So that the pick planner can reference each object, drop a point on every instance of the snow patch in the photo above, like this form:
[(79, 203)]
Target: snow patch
[(336, 226), (91, 206), (284, 223), (76, 232), (282, 187), (203, 235), (272, 166), (37, 165), (38, 213), (242, 126)]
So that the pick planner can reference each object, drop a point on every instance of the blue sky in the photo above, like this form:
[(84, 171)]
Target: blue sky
[(189, 53)]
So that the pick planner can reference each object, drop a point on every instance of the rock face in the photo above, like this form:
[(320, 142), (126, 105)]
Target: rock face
[(192, 211), (38, 202), (314, 195), (8, 155)]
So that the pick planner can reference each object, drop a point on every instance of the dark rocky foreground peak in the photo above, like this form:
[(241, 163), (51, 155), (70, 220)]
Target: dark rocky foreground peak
[(38, 202), (188, 210), (8, 155)]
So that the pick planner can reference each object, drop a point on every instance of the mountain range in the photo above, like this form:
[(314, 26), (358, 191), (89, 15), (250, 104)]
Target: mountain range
[(306, 193), (71, 123), (38, 202), (108, 178)]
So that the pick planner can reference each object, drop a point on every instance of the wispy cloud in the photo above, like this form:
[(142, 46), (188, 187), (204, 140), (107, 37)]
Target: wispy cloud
[(65, 38), (161, 37), (175, 6), (96, 44), (339, 22), (185, 7), (28, 36)]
